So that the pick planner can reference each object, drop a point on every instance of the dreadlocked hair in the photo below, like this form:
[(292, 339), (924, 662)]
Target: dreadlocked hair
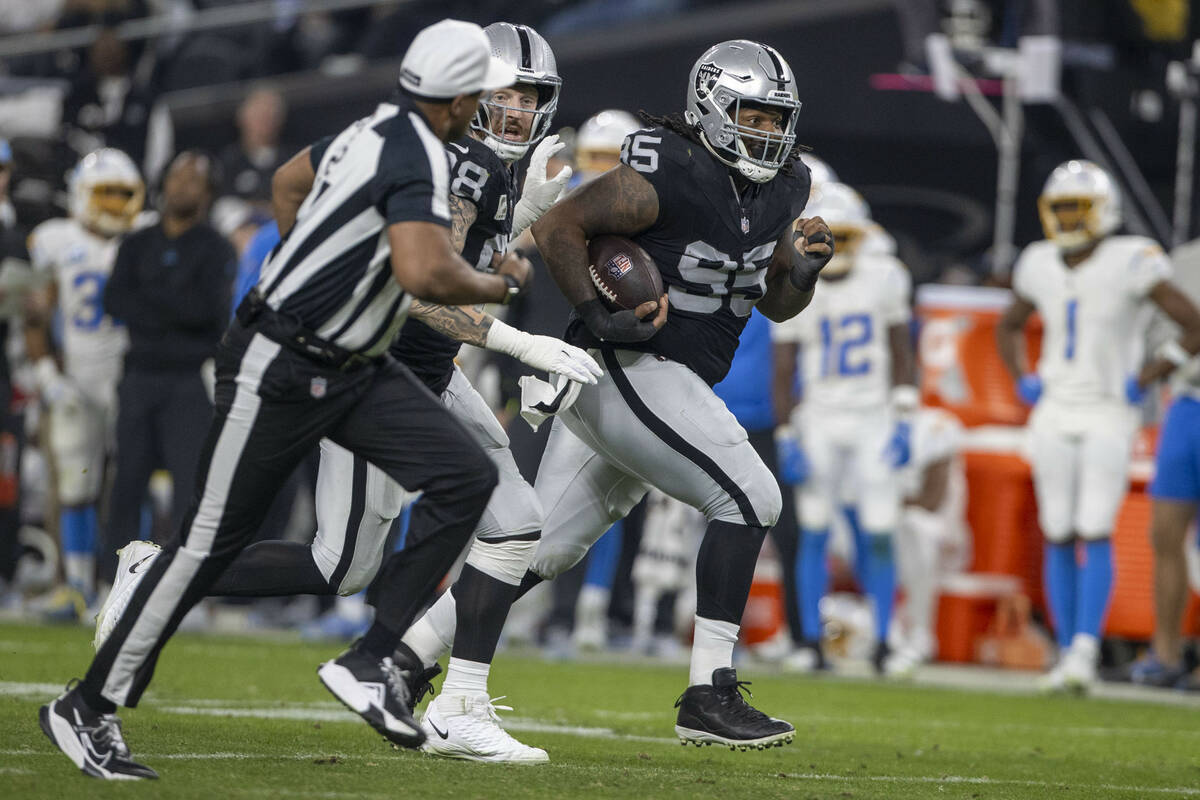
[(678, 125)]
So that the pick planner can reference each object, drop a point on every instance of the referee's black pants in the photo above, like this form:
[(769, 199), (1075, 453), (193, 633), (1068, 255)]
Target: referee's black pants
[(273, 404)]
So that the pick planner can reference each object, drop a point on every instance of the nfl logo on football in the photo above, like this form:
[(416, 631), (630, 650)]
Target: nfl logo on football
[(318, 387), (618, 265)]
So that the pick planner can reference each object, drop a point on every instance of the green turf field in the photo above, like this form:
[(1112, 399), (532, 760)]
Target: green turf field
[(242, 718)]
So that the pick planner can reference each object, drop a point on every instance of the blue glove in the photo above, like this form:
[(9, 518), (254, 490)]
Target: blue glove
[(899, 449), (1029, 389), (793, 464), (1133, 393)]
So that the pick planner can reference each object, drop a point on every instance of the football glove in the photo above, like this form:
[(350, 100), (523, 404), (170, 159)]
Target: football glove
[(616, 326), (540, 192), (55, 389), (899, 448), (793, 464), (543, 352), (817, 250), (1029, 389), (1134, 393)]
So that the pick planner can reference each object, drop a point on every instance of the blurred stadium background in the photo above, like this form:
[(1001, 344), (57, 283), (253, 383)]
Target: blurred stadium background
[(947, 115)]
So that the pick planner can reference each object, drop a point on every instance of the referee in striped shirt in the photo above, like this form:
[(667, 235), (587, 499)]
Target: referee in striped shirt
[(305, 358)]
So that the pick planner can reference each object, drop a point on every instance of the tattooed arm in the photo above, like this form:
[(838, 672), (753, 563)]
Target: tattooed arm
[(466, 324), (619, 202)]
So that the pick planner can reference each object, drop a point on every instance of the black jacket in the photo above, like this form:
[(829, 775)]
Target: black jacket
[(173, 295)]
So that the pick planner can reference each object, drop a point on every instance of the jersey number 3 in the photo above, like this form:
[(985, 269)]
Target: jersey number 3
[(90, 311)]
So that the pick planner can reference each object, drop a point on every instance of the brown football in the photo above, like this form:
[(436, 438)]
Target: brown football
[(623, 274)]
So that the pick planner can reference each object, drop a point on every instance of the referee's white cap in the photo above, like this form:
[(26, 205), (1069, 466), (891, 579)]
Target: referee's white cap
[(451, 58)]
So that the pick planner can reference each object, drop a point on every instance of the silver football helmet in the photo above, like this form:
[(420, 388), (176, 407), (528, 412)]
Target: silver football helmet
[(736, 73), (523, 48)]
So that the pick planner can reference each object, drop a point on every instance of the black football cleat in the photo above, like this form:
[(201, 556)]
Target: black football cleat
[(374, 689), (92, 741), (417, 677), (718, 714)]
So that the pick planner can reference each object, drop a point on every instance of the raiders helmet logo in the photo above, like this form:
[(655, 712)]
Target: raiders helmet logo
[(706, 76), (618, 265)]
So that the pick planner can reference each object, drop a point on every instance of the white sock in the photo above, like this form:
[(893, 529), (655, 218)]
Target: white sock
[(431, 636), (712, 648), (465, 677), (353, 607), (80, 569)]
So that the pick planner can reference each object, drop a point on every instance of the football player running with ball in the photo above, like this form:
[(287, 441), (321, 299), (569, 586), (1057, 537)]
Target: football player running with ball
[(357, 502), (1093, 292), (711, 196)]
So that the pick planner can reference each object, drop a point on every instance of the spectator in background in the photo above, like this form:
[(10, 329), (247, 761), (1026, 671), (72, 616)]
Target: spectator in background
[(249, 164), (107, 106), (14, 268), (171, 285)]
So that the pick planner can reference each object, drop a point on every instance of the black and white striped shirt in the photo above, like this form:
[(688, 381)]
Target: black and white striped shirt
[(332, 272)]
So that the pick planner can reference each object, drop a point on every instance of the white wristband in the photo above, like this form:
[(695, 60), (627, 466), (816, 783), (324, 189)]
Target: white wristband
[(905, 399), (502, 338), (1171, 350)]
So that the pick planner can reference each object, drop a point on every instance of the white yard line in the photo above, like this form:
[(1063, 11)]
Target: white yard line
[(984, 781)]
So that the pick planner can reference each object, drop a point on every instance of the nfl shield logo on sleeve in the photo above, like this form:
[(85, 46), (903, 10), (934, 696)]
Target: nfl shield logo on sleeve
[(317, 387)]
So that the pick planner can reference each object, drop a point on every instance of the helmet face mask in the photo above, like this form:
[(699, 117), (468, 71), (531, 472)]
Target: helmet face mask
[(106, 192), (1079, 206), (537, 72), (734, 77)]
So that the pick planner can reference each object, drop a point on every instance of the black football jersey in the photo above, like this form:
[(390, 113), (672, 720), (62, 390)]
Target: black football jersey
[(476, 174), (711, 244)]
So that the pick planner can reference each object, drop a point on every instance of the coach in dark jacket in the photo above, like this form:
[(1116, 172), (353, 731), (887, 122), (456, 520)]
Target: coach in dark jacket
[(171, 287)]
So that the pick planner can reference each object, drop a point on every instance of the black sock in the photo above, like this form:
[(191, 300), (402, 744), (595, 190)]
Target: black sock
[(95, 701), (379, 641), (530, 580), (725, 569), (272, 569), (481, 606)]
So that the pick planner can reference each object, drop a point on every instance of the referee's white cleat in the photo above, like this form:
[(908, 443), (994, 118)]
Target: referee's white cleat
[(466, 726), (374, 689), (134, 560), (91, 740)]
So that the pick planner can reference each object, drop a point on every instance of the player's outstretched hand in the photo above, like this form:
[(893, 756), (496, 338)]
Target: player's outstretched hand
[(623, 326), (1029, 389), (554, 355), (793, 464), (540, 191), (899, 448)]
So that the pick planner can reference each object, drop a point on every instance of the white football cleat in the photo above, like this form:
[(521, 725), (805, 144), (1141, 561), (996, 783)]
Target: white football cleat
[(466, 726), (1079, 673), (134, 559), (1056, 679)]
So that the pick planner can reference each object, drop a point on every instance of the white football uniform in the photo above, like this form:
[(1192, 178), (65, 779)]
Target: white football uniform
[(1094, 319), (82, 428), (845, 421), (932, 543)]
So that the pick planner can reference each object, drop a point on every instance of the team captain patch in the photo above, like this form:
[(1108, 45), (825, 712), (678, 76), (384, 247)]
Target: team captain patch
[(618, 266)]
